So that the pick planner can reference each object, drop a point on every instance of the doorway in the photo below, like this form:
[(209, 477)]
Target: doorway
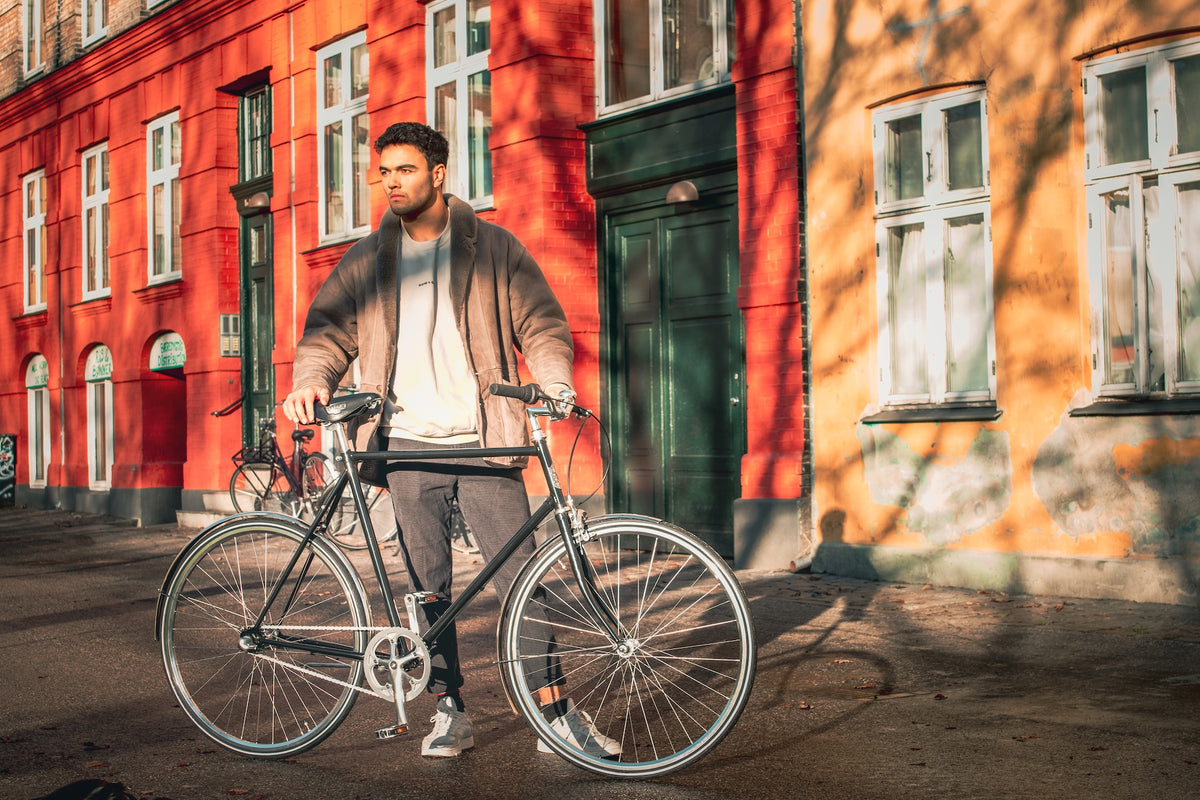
[(676, 347)]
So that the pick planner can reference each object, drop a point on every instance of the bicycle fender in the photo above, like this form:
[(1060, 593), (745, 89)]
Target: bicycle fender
[(274, 518)]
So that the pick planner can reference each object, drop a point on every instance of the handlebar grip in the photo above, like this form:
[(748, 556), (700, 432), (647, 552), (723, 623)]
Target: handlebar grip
[(528, 394)]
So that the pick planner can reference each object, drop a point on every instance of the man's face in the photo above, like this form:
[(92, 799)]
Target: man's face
[(410, 185)]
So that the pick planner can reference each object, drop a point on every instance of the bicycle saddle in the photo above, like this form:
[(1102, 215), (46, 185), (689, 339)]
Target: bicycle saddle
[(347, 406)]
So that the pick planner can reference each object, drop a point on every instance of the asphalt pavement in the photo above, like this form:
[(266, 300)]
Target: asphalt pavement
[(864, 690)]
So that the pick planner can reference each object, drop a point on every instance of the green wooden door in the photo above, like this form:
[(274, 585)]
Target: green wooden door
[(258, 325), (676, 356)]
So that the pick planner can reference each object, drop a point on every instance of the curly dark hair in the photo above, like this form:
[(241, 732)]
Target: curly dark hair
[(432, 144)]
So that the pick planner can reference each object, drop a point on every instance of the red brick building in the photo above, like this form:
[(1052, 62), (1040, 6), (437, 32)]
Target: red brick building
[(181, 177)]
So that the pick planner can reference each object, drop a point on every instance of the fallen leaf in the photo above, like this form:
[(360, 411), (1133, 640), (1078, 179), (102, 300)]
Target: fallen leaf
[(939, 696)]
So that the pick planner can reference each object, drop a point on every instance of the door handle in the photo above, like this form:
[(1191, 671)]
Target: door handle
[(733, 401)]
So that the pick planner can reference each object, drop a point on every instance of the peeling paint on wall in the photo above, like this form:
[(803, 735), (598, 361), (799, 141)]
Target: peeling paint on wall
[(1135, 475), (944, 498)]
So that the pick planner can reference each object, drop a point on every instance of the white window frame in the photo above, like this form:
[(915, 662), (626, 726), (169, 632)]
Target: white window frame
[(100, 412), (468, 174), (93, 20), (933, 210), (164, 259), (719, 10), (95, 271), (345, 113), (32, 22), (33, 214), (38, 406), (1155, 259)]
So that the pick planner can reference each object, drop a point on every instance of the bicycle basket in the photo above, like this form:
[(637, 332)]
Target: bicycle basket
[(253, 455)]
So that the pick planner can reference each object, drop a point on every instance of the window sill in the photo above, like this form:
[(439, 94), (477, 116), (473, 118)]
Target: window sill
[(939, 413), (1139, 408)]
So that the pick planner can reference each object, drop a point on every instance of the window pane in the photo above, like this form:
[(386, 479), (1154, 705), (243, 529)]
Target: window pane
[(90, 249), (360, 159), (176, 219), (1123, 116), (156, 149), (1187, 103), (479, 131), (964, 147), (906, 282), (445, 119), (1188, 230), (479, 22), (966, 306), (102, 256), (158, 224), (627, 50), (176, 144), (360, 71), (103, 171), (335, 219), (1119, 334), (904, 176), (333, 81), (687, 42), (445, 50)]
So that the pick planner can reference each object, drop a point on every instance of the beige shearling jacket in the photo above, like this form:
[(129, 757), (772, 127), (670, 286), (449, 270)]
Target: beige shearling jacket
[(502, 304)]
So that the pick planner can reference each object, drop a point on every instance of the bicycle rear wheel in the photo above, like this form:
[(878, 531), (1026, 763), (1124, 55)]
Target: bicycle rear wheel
[(674, 681), (261, 486), (260, 692), (346, 530)]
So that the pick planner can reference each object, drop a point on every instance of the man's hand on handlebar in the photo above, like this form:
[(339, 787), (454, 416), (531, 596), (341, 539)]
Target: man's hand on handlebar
[(298, 406), (562, 400)]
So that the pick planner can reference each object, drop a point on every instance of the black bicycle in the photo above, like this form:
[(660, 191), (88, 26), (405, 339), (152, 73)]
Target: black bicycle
[(267, 638)]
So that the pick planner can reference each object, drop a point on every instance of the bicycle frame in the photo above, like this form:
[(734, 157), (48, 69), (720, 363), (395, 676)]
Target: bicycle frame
[(557, 504)]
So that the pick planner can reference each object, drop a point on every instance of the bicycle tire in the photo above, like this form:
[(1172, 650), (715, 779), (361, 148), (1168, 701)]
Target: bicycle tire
[(260, 486), (347, 532), (247, 696), (676, 681)]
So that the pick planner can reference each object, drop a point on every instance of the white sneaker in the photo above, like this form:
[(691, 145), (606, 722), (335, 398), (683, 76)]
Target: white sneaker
[(577, 728), (451, 732)]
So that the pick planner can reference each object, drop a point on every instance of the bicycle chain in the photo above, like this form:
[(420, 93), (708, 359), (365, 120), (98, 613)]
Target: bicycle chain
[(311, 672)]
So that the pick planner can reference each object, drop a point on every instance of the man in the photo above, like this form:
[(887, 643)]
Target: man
[(434, 305)]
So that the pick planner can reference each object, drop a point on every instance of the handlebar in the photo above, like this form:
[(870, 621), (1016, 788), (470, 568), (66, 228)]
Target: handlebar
[(531, 393), (528, 394)]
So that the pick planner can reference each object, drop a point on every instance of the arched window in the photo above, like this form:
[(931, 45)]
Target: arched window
[(98, 376)]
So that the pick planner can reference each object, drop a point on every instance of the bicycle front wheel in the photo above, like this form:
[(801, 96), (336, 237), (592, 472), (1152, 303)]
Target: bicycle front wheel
[(260, 487), (280, 688), (673, 681)]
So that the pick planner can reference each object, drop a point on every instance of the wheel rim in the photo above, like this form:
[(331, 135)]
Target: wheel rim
[(673, 683), (250, 697)]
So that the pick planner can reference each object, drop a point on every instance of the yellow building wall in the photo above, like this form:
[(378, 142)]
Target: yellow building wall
[(1034, 484)]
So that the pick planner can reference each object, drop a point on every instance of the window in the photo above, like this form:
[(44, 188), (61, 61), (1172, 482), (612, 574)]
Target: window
[(98, 378), (37, 377), (652, 49), (94, 20), (460, 93), (254, 112), (1142, 171), (934, 262), (95, 222), (34, 214), (32, 14), (162, 181), (344, 150)]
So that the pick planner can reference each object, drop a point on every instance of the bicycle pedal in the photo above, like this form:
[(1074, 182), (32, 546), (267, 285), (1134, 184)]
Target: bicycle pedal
[(391, 732)]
